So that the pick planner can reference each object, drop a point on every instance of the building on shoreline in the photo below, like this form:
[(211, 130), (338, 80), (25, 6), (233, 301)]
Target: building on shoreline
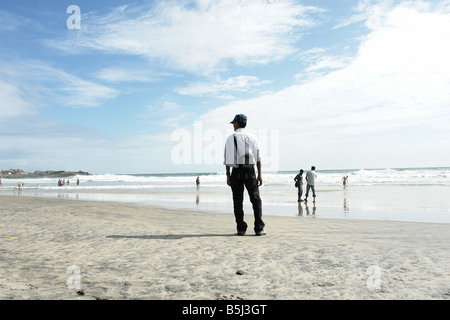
[(12, 173)]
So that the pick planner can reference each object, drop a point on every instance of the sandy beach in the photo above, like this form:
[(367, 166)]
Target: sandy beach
[(66, 249)]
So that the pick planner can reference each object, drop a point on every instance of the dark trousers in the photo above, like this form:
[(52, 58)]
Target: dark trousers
[(300, 191), (239, 180)]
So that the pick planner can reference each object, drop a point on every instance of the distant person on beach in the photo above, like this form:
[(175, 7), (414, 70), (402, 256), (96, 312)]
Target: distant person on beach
[(197, 182), (299, 184), (344, 181), (78, 181), (310, 183), (241, 154)]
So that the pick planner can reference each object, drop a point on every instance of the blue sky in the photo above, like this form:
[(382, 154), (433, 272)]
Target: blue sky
[(151, 86)]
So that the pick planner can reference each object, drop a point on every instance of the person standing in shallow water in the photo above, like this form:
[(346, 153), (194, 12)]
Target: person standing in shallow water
[(299, 183), (241, 154), (197, 182), (344, 181), (311, 183)]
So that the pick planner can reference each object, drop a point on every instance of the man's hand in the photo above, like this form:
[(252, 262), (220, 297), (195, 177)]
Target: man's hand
[(228, 180), (260, 180)]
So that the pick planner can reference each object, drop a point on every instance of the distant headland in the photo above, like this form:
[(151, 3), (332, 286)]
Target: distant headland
[(19, 173)]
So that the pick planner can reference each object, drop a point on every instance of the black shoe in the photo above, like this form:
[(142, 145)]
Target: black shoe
[(240, 233), (259, 233)]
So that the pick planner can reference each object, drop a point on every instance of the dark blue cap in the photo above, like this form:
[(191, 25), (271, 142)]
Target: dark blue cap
[(240, 118)]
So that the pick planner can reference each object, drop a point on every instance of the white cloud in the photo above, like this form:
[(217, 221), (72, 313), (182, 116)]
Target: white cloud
[(117, 75), (12, 22), (367, 11), (398, 82), (219, 87), (32, 82), (15, 95), (12, 103), (81, 93), (319, 62), (199, 36)]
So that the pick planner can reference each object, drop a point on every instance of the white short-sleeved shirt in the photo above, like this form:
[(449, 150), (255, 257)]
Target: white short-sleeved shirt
[(310, 177), (246, 144)]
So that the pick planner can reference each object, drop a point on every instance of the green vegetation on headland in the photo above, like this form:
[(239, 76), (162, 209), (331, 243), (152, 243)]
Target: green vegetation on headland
[(14, 174)]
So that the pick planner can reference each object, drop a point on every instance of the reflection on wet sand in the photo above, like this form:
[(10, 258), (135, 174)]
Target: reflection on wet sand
[(308, 212), (300, 209), (346, 207), (305, 210)]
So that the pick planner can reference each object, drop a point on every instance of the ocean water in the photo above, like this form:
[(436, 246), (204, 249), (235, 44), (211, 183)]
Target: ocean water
[(405, 194)]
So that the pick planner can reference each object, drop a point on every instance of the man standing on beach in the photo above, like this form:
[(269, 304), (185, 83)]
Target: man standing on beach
[(299, 183), (310, 179), (241, 154)]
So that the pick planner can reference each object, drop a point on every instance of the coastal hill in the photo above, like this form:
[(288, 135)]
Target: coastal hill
[(18, 173)]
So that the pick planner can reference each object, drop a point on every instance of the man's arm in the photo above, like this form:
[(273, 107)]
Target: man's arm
[(228, 175), (260, 180)]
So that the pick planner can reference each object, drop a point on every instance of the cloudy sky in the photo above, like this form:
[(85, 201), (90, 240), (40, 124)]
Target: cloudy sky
[(151, 86)]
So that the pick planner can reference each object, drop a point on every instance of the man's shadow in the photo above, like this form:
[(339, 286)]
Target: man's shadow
[(169, 236)]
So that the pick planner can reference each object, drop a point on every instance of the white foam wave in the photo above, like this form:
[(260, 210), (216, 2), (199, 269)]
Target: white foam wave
[(273, 181)]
